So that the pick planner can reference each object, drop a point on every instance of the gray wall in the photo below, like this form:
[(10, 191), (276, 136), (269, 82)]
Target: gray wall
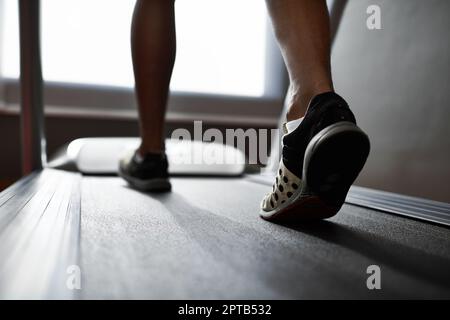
[(397, 80)]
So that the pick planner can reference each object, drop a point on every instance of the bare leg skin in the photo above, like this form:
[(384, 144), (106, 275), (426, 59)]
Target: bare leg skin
[(303, 32), (153, 46)]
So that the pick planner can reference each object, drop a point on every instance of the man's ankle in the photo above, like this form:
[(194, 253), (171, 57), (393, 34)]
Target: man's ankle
[(142, 150), (299, 102)]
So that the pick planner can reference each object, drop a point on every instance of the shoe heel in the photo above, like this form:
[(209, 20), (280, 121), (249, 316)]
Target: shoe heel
[(333, 160)]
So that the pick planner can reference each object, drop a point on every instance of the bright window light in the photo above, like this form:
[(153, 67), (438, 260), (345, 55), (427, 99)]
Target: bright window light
[(220, 44)]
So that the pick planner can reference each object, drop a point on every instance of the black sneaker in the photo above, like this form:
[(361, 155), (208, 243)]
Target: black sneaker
[(147, 173), (321, 159)]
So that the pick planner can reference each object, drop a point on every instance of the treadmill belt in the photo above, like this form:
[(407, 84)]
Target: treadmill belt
[(204, 240)]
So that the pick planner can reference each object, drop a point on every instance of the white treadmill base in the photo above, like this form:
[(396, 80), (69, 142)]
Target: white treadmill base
[(102, 155)]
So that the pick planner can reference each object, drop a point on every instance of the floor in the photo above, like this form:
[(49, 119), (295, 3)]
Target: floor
[(204, 240)]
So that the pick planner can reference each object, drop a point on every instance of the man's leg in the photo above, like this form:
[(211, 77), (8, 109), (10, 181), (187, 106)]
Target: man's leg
[(323, 149), (153, 50), (303, 33)]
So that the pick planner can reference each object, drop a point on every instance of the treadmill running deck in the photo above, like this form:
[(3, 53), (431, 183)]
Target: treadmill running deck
[(203, 240)]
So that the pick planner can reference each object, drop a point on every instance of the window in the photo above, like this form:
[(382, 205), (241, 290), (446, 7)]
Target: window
[(221, 44)]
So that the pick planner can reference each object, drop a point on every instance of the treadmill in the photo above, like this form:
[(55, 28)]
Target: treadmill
[(82, 234)]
